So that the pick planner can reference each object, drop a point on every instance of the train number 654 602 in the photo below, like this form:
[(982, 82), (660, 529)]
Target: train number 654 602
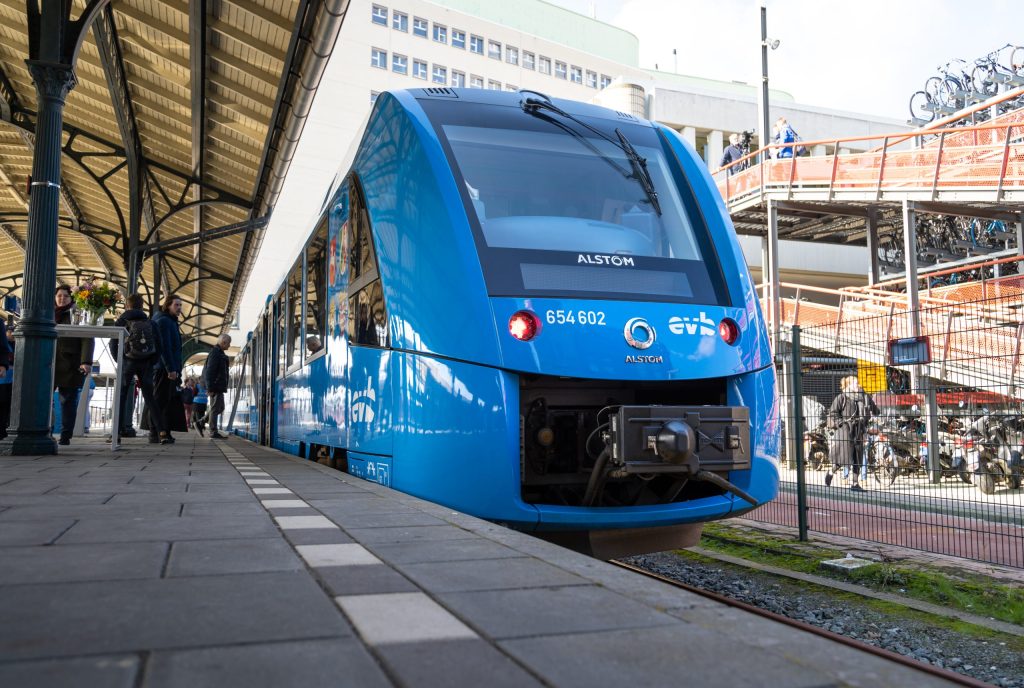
[(570, 317)]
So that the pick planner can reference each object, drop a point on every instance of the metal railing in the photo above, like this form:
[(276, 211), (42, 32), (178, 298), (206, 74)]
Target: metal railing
[(986, 158), (938, 458)]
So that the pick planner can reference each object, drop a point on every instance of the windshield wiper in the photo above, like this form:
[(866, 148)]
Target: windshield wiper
[(533, 106)]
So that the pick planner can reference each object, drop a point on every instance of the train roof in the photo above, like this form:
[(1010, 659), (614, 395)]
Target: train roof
[(479, 96)]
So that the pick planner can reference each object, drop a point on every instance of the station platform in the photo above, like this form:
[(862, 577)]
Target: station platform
[(222, 563)]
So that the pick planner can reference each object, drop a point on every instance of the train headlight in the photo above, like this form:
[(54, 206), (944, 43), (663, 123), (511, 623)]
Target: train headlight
[(729, 331), (524, 325)]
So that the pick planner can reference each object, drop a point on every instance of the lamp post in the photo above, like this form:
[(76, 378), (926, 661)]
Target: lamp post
[(762, 98)]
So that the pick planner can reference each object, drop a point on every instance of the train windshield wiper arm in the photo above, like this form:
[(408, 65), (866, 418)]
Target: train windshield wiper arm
[(637, 162)]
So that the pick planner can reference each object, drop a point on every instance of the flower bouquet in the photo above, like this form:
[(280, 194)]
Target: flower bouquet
[(95, 300)]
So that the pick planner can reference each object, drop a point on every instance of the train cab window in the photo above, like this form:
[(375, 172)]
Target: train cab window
[(367, 323), (294, 295), (316, 291), (560, 209)]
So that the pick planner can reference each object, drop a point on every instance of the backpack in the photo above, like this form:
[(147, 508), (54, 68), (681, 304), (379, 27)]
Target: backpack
[(141, 340)]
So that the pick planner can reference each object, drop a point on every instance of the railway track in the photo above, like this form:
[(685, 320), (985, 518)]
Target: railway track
[(946, 674)]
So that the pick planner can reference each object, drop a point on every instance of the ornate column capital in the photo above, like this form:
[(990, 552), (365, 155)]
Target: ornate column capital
[(53, 80)]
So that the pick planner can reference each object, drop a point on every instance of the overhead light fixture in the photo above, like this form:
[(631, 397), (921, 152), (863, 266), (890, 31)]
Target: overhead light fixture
[(771, 43)]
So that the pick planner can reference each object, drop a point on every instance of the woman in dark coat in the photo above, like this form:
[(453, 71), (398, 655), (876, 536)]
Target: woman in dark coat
[(849, 416), (72, 361)]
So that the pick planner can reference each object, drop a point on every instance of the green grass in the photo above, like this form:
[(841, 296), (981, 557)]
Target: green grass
[(969, 593)]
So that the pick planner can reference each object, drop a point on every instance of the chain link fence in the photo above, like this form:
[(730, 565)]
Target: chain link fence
[(906, 427)]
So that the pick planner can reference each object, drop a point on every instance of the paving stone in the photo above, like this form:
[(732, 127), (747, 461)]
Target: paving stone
[(551, 611), (168, 529), (388, 520), (272, 491), (26, 486), (310, 664), (274, 504), (445, 550), (40, 512), (262, 482), (316, 536), (408, 534), (363, 580), (53, 499), (303, 522), (118, 671), (668, 657), (40, 532), (455, 663), (70, 563), (107, 486), (250, 508), (351, 554), (401, 618), (250, 555), (488, 574), (136, 615), (182, 498)]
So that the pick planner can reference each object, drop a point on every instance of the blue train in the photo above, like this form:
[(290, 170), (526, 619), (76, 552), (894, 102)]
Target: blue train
[(532, 310)]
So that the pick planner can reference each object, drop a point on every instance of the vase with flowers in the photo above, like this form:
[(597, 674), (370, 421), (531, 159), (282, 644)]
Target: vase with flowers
[(93, 300)]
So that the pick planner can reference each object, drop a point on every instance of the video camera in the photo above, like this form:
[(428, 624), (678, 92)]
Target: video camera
[(745, 139)]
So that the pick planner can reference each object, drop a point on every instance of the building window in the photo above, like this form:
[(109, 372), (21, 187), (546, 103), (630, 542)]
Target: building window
[(380, 15), (476, 45), (476, 81), (440, 33), (400, 21), (379, 58), (511, 55), (529, 60), (511, 87), (493, 85), (576, 74), (440, 75), (419, 27), (605, 80), (373, 96), (458, 79), (544, 65), (458, 39), (399, 64), (419, 69), (591, 79), (494, 49), (561, 70)]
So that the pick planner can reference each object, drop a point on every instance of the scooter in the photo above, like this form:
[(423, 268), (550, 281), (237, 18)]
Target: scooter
[(990, 457), (816, 444)]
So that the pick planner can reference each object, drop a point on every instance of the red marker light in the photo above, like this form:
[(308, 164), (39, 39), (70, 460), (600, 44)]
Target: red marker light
[(524, 325), (729, 331)]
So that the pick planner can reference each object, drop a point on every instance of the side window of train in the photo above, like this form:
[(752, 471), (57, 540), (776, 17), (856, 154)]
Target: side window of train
[(282, 332), (294, 295), (368, 321), (316, 291)]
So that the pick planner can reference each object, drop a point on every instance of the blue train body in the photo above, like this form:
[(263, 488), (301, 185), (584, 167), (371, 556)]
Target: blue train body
[(494, 298)]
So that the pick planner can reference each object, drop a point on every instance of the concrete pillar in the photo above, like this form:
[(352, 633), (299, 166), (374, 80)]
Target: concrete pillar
[(690, 134), (716, 148)]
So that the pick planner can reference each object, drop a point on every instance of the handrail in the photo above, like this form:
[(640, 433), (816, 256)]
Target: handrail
[(868, 137), (950, 271)]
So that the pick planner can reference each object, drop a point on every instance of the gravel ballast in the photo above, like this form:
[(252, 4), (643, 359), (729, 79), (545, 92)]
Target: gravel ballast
[(990, 661)]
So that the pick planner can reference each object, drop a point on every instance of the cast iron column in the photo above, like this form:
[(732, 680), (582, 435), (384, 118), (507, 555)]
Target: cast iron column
[(36, 334)]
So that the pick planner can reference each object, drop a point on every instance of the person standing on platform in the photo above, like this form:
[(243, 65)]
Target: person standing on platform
[(732, 153), (6, 376), (849, 416), (188, 393), (215, 377), (72, 361), (167, 372), (141, 353)]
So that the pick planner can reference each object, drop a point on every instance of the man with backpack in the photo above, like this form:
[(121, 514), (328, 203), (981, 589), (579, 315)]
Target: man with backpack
[(141, 352), (215, 377)]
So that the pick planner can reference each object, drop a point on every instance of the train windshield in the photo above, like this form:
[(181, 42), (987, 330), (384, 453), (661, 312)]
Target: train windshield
[(561, 210)]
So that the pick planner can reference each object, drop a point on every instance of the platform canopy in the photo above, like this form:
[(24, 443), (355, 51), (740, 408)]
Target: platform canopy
[(176, 141)]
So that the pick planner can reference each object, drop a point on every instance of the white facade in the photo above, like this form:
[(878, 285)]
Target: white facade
[(381, 47)]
